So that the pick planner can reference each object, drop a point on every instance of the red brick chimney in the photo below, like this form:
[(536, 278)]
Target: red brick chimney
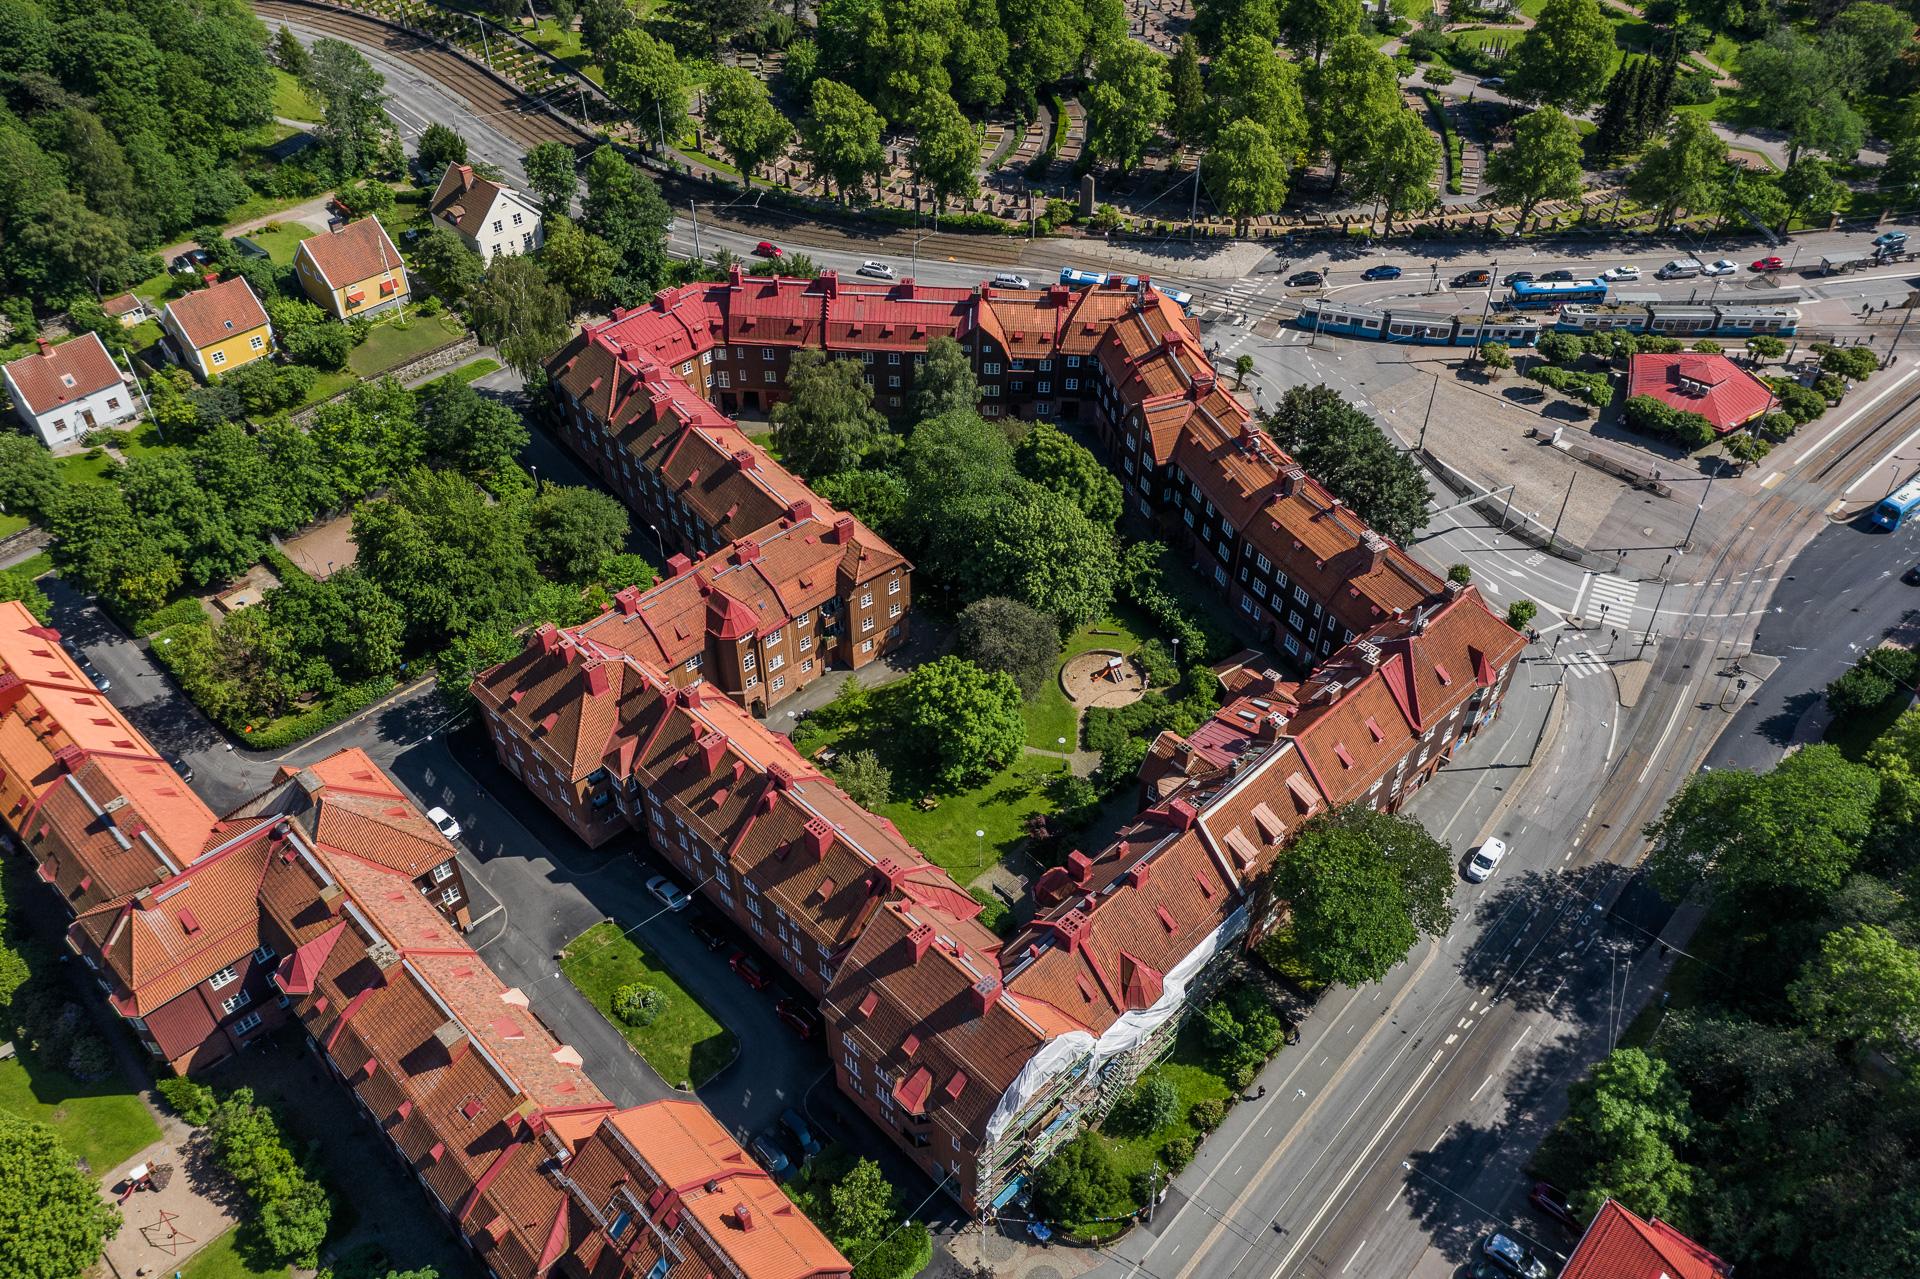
[(986, 993), (920, 941), (678, 564), (1079, 867), (819, 837), (842, 530)]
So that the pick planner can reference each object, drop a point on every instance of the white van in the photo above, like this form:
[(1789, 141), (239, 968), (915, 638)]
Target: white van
[(1680, 269), (1483, 863)]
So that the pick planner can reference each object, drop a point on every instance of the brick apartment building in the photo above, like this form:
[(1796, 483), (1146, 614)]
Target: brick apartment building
[(978, 1056)]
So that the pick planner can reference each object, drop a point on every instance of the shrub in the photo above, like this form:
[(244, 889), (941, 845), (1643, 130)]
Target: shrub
[(1560, 348), (1150, 1106), (1861, 688), (1590, 388), (867, 781), (1496, 355), (190, 1099), (1707, 346), (995, 915), (639, 1004), (1855, 362), (1207, 1113), (1830, 387), (1177, 1152), (341, 706), (1081, 1181), (1461, 573), (1776, 426), (90, 1057), (1156, 664), (1520, 613), (1802, 403), (174, 614), (1655, 417)]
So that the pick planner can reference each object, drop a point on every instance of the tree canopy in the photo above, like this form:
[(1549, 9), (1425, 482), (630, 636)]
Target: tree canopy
[(998, 634), (1566, 59), (965, 721), (827, 423), (53, 1223), (1340, 446)]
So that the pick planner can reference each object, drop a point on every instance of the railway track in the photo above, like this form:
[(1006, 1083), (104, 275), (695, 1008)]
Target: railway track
[(512, 112)]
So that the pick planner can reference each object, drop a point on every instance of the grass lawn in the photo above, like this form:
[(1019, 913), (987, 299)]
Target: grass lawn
[(389, 345), (222, 1259), (564, 45), (471, 370), (103, 1122), (686, 1044), (291, 100), (281, 241), (1049, 715), (328, 385), (11, 524), (35, 565)]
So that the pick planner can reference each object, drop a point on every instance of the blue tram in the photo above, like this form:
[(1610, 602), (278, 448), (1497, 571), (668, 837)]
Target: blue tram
[(1420, 328), (1682, 319)]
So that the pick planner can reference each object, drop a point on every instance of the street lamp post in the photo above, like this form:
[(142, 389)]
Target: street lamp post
[(1686, 543), (1431, 396), (914, 270), (1646, 636), (1554, 537), (659, 542)]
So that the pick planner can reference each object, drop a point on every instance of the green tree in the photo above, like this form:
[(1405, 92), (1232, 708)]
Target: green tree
[(828, 422), (440, 147), (53, 1223), (601, 21), (477, 435), (1793, 83), (861, 1204), (1566, 59), (1808, 184), (945, 153), (1620, 1138), (1342, 447), (1035, 546), (1313, 25), (354, 124), (842, 137), (1543, 162), (452, 559), (163, 492), (516, 308), (1244, 173), (1047, 41), (1152, 1104), (29, 479), (1864, 42), (1126, 103), (1398, 170), (1362, 886), (1055, 460), (1862, 988), (1779, 841), (288, 53), (1186, 85), (450, 268), (750, 128), (1250, 81), (21, 586), (1681, 170), (964, 720), (1081, 1181), (944, 382), (1355, 92), (876, 498), (550, 176), (624, 208), (1520, 614), (998, 634), (866, 781), (645, 77), (578, 262), (573, 532)]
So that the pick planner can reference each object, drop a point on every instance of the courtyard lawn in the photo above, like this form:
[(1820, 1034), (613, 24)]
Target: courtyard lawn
[(1049, 715), (390, 346), (222, 1259), (103, 1122), (686, 1045), (78, 468), (281, 241), (291, 100)]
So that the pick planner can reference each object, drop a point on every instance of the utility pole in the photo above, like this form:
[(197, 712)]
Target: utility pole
[(693, 209), (1193, 208), (1900, 332), (1686, 543), (1554, 536), (1486, 307), (1431, 396), (660, 125), (1646, 636)]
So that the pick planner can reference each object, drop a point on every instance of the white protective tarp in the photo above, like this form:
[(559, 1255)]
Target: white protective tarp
[(1127, 1032)]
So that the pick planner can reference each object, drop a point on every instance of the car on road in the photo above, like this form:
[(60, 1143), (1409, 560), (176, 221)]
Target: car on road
[(1524, 394), (798, 1129), (1550, 1203), (1381, 273), (1620, 273), (749, 970), (768, 249), (248, 249), (707, 929), (1509, 1257), (1306, 280), (191, 260), (878, 270), (1484, 862), (1553, 277), (1494, 82), (1512, 278), (1769, 264), (1725, 266), (87, 668), (771, 1155), (798, 1014), (1006, 280), (178, 763), (1890, 240), (1468, 279), (443, 822), (1912, 576), (668, 893)]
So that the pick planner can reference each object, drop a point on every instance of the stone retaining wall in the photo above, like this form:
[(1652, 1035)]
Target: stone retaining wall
[(456, 352)]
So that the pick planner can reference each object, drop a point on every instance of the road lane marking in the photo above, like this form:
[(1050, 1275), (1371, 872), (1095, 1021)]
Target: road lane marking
[(1661, 745), (1519, 1041), (1355, 1257), (1451, 1038), (1482, 1088)]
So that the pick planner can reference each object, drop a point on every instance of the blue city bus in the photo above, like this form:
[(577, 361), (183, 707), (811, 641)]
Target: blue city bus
[(1894, 508), (1532, 295)]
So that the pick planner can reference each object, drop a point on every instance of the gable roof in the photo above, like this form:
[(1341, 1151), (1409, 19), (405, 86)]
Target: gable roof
[(1620, 1245), (464, 198), (57, 375), (352, 253), (217, 312), (349, 805)]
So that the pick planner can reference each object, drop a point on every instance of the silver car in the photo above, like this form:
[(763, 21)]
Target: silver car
[(878, 270), (669, 893)]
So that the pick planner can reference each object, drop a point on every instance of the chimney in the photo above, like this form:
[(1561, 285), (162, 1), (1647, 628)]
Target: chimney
[(819, 837), (383, 956), (712, 748), (830, 283), (745, 551), (736, 276), (920, 940), (842, 530), (597, 683), (678, 564), (12, 689), (1268, 730), (46, 347), (743, 1215), (1079, 867), (1180, 814), (331, 895), (1376, 548), (548, 637), (453, 1037), (745, 460), (1140, 873), (627, 600), (466, 175), (986, 993), (1290, 479), (800, 510)]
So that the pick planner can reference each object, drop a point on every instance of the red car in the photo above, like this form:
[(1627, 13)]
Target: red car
[(749, 970), (798, 1014), (767, 249), (1550, 1203), (1770, 264)]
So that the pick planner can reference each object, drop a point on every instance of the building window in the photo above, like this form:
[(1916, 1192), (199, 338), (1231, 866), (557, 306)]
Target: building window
[(219, 357), (893, 357), (806, 642), (1046, 366), (248, 1023), (893, 611), (866, 357), (866, 624), (264, 955), (450, 898), (1072, 384), (769, 379), (990, 369), (443, 872), (775, 662), (517, 219), (771, 641), (990, 390), (766, 353), (779, 682), (806, 667), (866, 646), (693, 663), (893, 380), (866, 599), (235, 1003), (498, 226), (225, 977)]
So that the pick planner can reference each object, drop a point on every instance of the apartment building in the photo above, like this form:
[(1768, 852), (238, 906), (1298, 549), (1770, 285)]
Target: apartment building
[(978, 1056)]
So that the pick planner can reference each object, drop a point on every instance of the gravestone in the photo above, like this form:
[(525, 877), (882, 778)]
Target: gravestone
[(1086, 196)]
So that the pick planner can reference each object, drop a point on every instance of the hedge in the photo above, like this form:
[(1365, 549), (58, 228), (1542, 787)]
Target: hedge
[(289, 729), (1038, 166), (1593, 388), (177, 613)]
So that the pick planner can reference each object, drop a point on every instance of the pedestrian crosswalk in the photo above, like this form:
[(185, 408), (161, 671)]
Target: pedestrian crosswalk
[(1583, 663), (1615, 594)]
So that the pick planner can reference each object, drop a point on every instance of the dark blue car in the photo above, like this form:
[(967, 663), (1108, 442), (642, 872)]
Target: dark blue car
[(1381, 273)]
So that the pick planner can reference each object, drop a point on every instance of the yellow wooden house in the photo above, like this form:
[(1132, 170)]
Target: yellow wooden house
[(217, 329), (353, 270)]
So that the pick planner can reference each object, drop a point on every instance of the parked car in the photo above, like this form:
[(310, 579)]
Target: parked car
[(1524, 394), (1486, 861), (1306, 280), (703, 926), (1612, 274), (1912, 576), (1550, 1203), (766, 1149), (1494, 82), (878, 270), (798, 1014), (668, 893), (1007, 280), (802, 1134), (87, 668), (749, 970), (178, 763), (1890, 240), (248, 249), (1553, 276), (191, 260), (1769, 264), (1725, 266), (768, 249), (1512, 278), (1469, 279), (443, 822), (1381, 273), (1509, 1257)]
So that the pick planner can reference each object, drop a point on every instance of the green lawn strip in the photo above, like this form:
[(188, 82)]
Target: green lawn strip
[(328, 385), (389, 345), (471, 370), (999, 808), (11, 524), (686, 1045), (36, 564), (102, 1121), (222, 1259), (281, 241), (291, 101)]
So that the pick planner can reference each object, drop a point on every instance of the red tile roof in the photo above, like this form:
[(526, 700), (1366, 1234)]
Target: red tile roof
[(56, 375), (352, 253), (218, 312), (1711, 385), (1619, 1245)]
